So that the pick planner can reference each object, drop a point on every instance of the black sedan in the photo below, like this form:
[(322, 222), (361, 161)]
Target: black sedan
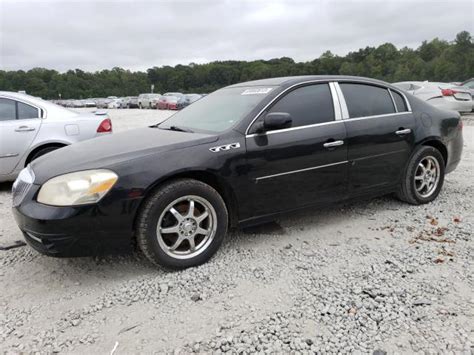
[(239, 156)]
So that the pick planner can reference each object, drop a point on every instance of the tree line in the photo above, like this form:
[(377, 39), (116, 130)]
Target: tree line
[(435, 60)]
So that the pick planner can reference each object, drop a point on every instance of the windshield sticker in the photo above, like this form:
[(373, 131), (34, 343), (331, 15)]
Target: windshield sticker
[(257, 91)]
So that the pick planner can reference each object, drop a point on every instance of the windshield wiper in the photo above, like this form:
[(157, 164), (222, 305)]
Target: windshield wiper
[(172, 128), (179, 129)]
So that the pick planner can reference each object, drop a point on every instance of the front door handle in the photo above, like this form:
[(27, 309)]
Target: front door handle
[(402, 132), (333, 144), (24, 129)]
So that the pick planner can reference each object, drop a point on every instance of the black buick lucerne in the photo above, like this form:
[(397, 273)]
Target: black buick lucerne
[(239, 156)]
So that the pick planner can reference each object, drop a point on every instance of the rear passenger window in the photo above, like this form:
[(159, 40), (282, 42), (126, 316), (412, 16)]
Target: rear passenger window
[(26, 111), (366, 100), (399, 101), (307, 105), (7, 110)]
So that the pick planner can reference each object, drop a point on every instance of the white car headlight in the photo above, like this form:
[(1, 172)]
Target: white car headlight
[(77, 188)]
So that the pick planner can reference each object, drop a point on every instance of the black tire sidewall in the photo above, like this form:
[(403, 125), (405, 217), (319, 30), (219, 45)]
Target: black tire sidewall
[(419, 155), (173, 192), (42, 152)]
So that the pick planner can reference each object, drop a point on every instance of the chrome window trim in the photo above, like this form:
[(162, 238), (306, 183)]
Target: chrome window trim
[(393, 100), (300, 170), (324, 123), (335, 102), (277, 97), (292, 129), (342, 101), (407, 103), (378, 116)]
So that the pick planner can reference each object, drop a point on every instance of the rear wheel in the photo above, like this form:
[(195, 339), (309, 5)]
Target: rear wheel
[(182, 224), (424, 176)]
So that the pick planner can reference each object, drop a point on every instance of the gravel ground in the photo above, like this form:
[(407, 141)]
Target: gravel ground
[(373, 276)]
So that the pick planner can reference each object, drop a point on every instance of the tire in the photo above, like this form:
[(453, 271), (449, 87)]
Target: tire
[(157, 212), (140, 106), (41, 152), (410, 189)]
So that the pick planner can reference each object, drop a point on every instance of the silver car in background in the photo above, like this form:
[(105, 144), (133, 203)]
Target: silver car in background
[(469, 85), (31, 127), (442, 95)]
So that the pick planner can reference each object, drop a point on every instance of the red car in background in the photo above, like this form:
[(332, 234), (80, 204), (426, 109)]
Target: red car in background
[(162, 103), (166, 102), (172, 102)]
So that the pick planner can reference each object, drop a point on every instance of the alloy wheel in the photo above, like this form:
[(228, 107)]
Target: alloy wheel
[(427, 176), (186, 227)]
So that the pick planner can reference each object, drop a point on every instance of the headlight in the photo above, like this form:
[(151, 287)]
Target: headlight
[(77, 188)]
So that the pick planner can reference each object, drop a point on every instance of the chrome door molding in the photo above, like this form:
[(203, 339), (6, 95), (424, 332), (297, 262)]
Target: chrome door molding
[(9, 155), (299, 170)]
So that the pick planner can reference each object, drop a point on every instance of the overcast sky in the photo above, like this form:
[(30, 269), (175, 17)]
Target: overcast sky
[(137, 35)]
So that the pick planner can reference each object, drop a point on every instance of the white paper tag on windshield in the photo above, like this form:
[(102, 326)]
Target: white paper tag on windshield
[(257, 91)]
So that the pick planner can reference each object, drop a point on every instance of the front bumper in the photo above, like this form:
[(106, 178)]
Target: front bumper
[(75, 231)]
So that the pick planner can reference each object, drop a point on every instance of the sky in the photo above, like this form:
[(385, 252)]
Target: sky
[(136, 35)]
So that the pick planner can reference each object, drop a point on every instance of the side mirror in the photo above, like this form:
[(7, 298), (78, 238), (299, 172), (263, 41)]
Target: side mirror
[(275, 120)]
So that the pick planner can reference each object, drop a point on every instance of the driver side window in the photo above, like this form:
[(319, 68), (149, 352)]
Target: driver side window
[(307, 105)]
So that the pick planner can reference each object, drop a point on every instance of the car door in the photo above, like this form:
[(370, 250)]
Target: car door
[(19, 125), (301, 165), (380, 135)]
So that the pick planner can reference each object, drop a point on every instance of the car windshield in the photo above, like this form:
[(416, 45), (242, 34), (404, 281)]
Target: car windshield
[(218, 111)]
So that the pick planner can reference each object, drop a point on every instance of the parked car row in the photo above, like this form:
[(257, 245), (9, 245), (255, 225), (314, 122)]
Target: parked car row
[(167, 101), (449, 96)]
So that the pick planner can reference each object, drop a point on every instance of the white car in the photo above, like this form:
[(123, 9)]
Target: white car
[(115, 103), (31, 127), (441, 95), (148, 100)]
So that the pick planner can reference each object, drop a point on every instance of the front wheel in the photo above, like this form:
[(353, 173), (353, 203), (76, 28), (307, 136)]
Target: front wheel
[(182, 224), (424, 176)]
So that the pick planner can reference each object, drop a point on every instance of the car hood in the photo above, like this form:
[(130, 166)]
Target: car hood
[(110, 150)]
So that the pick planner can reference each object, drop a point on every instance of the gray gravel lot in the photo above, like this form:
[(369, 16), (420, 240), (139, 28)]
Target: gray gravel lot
[(367, 276)]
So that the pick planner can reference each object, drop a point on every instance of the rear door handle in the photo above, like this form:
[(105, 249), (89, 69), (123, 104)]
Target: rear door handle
[(333, 144), (402, 132), (24, 129)]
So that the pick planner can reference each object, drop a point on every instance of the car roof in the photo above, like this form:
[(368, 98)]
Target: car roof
[(23, 97), (50, 107), (292, 80)]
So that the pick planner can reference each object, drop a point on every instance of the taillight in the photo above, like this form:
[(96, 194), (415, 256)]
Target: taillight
[(448, 92), (105, 126)]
